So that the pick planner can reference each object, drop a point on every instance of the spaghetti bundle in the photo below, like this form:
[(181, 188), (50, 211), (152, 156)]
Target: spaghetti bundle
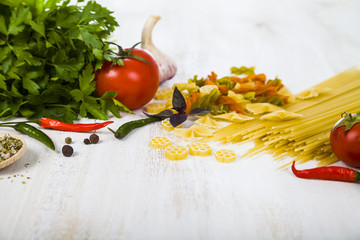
[(304, 138)]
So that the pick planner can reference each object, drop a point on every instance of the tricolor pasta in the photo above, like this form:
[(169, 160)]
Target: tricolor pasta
[(307, 136)]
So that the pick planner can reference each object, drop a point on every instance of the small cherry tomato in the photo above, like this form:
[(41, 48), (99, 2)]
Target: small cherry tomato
[(136, 82), (345, 139)]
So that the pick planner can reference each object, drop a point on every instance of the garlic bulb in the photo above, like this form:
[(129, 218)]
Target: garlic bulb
[(167, 67)]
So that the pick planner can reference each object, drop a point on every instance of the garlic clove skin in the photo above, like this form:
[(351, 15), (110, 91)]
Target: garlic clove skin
[(167, 67)]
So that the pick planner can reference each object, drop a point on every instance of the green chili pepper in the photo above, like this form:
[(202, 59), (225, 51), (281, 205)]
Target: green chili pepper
[(35, 133), (124, 129)]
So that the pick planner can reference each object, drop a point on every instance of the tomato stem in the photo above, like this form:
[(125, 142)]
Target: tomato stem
[(122, 54), (356, 177)]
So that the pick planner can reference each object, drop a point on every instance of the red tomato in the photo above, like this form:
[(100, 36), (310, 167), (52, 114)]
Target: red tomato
[(346, 144), (136, 82)]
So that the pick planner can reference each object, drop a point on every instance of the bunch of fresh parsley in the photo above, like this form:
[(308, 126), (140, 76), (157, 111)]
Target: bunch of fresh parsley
[(49, 50)]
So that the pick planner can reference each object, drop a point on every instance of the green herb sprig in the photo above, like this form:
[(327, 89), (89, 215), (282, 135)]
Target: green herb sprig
[(49, 50)]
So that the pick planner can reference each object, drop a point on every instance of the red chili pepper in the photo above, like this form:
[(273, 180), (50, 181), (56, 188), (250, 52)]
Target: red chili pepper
[(77, 127), (328, 173)]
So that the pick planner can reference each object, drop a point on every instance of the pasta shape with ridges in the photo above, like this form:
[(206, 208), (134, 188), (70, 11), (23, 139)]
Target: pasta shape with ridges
[(234, 117), (260, 108), (208, 121), (194, 131), (312, 92), (280, 115)]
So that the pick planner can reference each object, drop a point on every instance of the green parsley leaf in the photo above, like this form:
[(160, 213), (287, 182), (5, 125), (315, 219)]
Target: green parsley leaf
[(3, 28), (17, 19), (122, 107), (29, 84), (77, 94), (107, 105), (38, 27), (87, 85), (2, 82), (94, 110), (48, 52)]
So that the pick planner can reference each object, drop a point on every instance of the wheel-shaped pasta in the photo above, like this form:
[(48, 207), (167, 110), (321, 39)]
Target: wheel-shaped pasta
[(176, 152), (200, 149), (166, 125), (163, 94), (155, 107), (225, 155), (160, 142)]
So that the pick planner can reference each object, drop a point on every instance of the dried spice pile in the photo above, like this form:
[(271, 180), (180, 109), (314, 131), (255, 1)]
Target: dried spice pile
[(9, 146)]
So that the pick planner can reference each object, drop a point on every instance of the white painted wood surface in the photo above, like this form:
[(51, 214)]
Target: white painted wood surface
[(127, 190)]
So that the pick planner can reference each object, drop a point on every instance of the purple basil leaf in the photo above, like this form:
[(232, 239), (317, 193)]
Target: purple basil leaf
[(178, 119), (199, 111), (178, 101), (164, 114)]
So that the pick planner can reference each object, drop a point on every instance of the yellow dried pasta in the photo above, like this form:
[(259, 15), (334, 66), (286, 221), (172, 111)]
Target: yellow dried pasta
[(185, 94), (184, 133), (169, 103), (260, 108), (176, 152), (225, 155), (165, 124), (194, 131), (201, 131), (207, 89), (163, 94), (160, 142), (280, 115), (155, 107), (208, 121), (286, 92), (239, 98), (233, 117), (312, 92), (189, 87), (200, 149)]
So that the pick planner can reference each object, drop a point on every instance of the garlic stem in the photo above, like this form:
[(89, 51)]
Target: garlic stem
[(167, 67)]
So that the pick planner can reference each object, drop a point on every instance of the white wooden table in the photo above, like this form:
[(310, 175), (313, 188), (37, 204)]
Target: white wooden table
[(124, 189)]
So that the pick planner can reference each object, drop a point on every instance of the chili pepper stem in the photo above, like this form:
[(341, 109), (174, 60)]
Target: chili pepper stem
[(356, 177), (111, 130), (1, 125)]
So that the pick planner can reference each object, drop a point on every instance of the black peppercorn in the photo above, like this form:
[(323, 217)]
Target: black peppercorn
[(94, 138), (67, 150), (87, 141)]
